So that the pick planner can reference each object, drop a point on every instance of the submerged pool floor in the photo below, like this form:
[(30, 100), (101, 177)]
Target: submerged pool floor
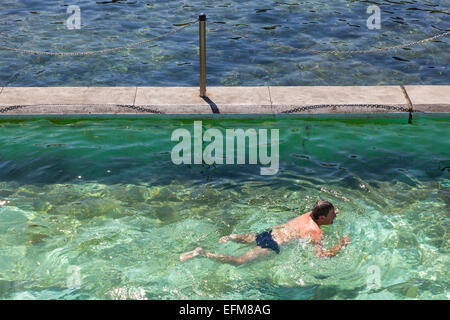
[(99, 211)]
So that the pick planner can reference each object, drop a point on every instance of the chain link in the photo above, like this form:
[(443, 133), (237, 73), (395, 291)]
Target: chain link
[(85, 53), (375, 50), (10, 108), (370, 106), (220, 26), (137, 108), (294, 110), (140, 109)]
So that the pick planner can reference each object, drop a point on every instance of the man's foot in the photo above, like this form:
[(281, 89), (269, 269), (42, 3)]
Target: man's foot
[(189, 255)]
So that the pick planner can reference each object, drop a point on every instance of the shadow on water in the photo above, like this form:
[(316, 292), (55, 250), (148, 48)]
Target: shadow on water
[(311, 292), (410, 289), (54, 169)]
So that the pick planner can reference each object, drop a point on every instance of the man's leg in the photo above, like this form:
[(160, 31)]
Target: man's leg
[(246, 257), (240, 238)]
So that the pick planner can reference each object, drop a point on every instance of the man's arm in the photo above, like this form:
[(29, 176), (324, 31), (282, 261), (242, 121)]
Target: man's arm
[(321, 252)]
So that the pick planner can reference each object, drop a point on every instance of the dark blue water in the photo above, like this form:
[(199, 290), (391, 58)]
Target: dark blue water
[(340, 25)]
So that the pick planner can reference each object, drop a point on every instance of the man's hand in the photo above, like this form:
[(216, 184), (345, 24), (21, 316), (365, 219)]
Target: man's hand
[(320, 252), (344, 241)]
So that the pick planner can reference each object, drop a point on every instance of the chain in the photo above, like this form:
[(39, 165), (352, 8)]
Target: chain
[(137, 108), (280, 45), (10, 108), (99, 51), (140, 109), (273, 44), (372, 106), (295, 110)]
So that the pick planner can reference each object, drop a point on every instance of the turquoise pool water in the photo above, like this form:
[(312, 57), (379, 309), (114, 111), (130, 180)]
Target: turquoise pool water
[(98, 210), (232, 60)]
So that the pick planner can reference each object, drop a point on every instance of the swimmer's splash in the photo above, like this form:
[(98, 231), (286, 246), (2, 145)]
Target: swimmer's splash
[(214, 152)]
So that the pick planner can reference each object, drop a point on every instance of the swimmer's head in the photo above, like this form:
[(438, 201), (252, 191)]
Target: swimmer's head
[(323, 212)]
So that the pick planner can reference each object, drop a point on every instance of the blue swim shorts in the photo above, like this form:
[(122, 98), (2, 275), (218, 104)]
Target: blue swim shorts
[(265, 240)]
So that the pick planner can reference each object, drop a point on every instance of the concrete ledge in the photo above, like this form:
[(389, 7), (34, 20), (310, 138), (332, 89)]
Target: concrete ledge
[(343, 99), (241, 99), (219, 100), (67, 95), (224, 100), (430, 98), (172, 99)]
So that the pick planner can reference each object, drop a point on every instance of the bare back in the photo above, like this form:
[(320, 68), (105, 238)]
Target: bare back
[(297, 228)]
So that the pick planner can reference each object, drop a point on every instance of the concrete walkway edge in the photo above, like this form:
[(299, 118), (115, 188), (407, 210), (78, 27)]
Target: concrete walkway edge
[(263, 100)]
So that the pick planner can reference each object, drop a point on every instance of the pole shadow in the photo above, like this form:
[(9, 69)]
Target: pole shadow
[(213, 106)]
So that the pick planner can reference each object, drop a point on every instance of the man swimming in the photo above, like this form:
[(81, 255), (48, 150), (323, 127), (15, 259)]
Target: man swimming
[(304, 226)]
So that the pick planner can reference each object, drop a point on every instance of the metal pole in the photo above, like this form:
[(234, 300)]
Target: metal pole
[(202, 40)]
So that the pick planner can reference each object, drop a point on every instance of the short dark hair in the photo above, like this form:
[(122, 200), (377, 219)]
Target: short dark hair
[(321, 208)]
